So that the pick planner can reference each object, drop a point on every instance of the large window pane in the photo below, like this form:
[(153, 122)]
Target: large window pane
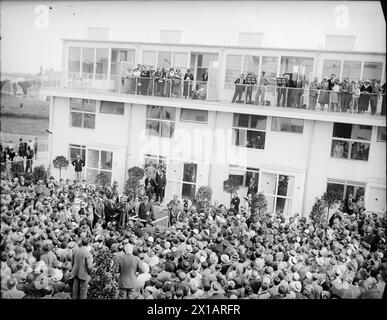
[(188, 191), (269, 65), (249, 176), (237, 177), (258, 122), (251, 65), (180, 60), (163, 113), (239, 137), (361, 132), (340, 149), (204, 60), (102, 57), (233, 69), (74, 60), (342, 130), (106, 160), (153, 127), (87, 62), (270, 204), (149, 58), (76, 119), (255, 139), (194, 115), (360, 151), (300, 65), (74, 151), (167, 129), (287, 125), (189, 172), (89, 105), (356, 191), (331, 67), (92, 159), (372, 70), (336, 188), (241, 120), (164, 59), (91, 175), (111, 107), (89, 120), (351, 70), (268, 183), (283, 182), (381, 134), (76, 104)]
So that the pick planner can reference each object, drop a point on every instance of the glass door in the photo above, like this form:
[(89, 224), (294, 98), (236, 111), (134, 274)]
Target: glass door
[(98, 161), (189, 181)]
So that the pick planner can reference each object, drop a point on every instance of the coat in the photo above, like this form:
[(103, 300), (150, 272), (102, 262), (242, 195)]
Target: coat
[(128, 265), (78, 164), (82, 263)]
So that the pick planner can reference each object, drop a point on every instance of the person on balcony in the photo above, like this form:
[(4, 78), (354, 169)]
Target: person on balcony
[(136, 75), (169, 82), (239, 88), (188, 79), (313, 93), (374, 95), (282, 89), (324, 93), (260, 95), (383, 94), (300, 84), (129, 82), (177, 83), (355, 91), (158, 79), (205, 76), (251, 82), (345, 90), (364, 99), (335, 96), (149, 75), (331, 84)]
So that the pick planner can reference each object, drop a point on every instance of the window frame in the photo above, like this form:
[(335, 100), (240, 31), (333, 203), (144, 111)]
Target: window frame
[(285, 131), (170, 122), (346, 183), (77, 147), (246, 130), (99, 169), (377, 134), (72, 111), (116, 114), (193, 121)]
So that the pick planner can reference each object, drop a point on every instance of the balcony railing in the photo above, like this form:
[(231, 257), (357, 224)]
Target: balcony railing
[(264, 95)]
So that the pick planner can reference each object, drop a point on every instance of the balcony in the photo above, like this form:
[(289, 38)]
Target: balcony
[(297, 100)]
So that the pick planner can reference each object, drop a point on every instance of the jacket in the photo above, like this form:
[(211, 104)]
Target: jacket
[(128, 265), (82, 263), (78, 164), (161, 181)]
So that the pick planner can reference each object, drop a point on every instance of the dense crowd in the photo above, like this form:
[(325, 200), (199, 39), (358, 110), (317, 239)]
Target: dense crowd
[(51, 230), (22, 152)]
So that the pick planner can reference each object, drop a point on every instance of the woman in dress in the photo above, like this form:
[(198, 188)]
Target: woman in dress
[(355, 89), (335, 96), (364, 99), (177, 83), (324, 93), (188, 79)]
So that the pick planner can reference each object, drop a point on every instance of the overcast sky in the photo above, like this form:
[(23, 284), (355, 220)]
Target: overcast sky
[(293, 24)]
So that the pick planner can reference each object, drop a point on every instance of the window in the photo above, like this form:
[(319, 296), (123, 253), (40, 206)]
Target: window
[(278, 191), (180, 61), (250, 65), (160, 121), (164, 59), (194, 115), (233, 69), (119, 56), (249, 131), (269, 65), (88, 62), (111, 107), (331, 67), (102, 57), (351, 70), (244, 175), (98, 161), (82, 113), (300, 65), (372, 70), (152, 161), (347, 142), (287, 124), (189, 181), (343, 188), (74, 60), (149, 58), (75, 149), (381, 134)]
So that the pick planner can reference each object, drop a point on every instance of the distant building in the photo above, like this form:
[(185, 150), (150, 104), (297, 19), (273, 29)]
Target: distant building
[(12, 89), (34, 92)]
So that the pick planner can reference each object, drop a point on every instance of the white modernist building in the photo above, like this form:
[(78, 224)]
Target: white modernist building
[(294, 154)]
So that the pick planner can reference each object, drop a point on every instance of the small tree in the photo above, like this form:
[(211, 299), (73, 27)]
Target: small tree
[(17, 169), (258, 204), (102, 179), (103, 283), (318, 211), (203, 198), (330, 200), (60, 162), (135, 174), (231, 185), (39, 173)]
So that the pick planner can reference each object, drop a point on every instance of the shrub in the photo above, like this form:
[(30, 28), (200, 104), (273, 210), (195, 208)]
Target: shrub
[(39, 173), (102, 179), (231, 185), (17, 169), (317, 214), (135, 174), (60, 162), (258, 204), (203, 198)]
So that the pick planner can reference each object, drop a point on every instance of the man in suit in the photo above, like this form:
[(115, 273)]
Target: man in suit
[(127, 266), (235, 201), (145, 211), (251, 81), (374, 95), (78, 163), (82, 264), (161, 182), (239, 88)]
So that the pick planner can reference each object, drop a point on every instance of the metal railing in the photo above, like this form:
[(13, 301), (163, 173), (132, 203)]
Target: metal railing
[(263, 95)]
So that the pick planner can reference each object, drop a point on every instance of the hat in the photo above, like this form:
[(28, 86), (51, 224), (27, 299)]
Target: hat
[(320, 261), (41, 282), (224, 258), (57, 275), (213, 258)]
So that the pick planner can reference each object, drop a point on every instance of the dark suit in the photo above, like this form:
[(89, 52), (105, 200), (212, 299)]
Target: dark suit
[(145, 212), (236, 201), (128, 265), (239, 88), (161, 182), (82, 264)]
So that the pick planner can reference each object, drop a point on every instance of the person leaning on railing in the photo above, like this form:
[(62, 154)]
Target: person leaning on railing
[(313, 93), (260, 95), (251, 82), (177, 83), (383, 94), (239, 88), (374, 95), (323, 98), (188, 79), (345, 90), (364, 99), (355, 91)]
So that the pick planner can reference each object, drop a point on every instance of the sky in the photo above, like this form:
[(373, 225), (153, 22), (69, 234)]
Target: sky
[(30, 38)]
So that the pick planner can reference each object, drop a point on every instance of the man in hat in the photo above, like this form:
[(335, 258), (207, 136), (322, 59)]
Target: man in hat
[(146, 210), (78, 164), (82, 264), (161, 182)]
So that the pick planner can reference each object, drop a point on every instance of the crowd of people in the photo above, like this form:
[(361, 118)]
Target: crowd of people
[(163, 82), (293, 91), (22, 152), (51, 231)]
